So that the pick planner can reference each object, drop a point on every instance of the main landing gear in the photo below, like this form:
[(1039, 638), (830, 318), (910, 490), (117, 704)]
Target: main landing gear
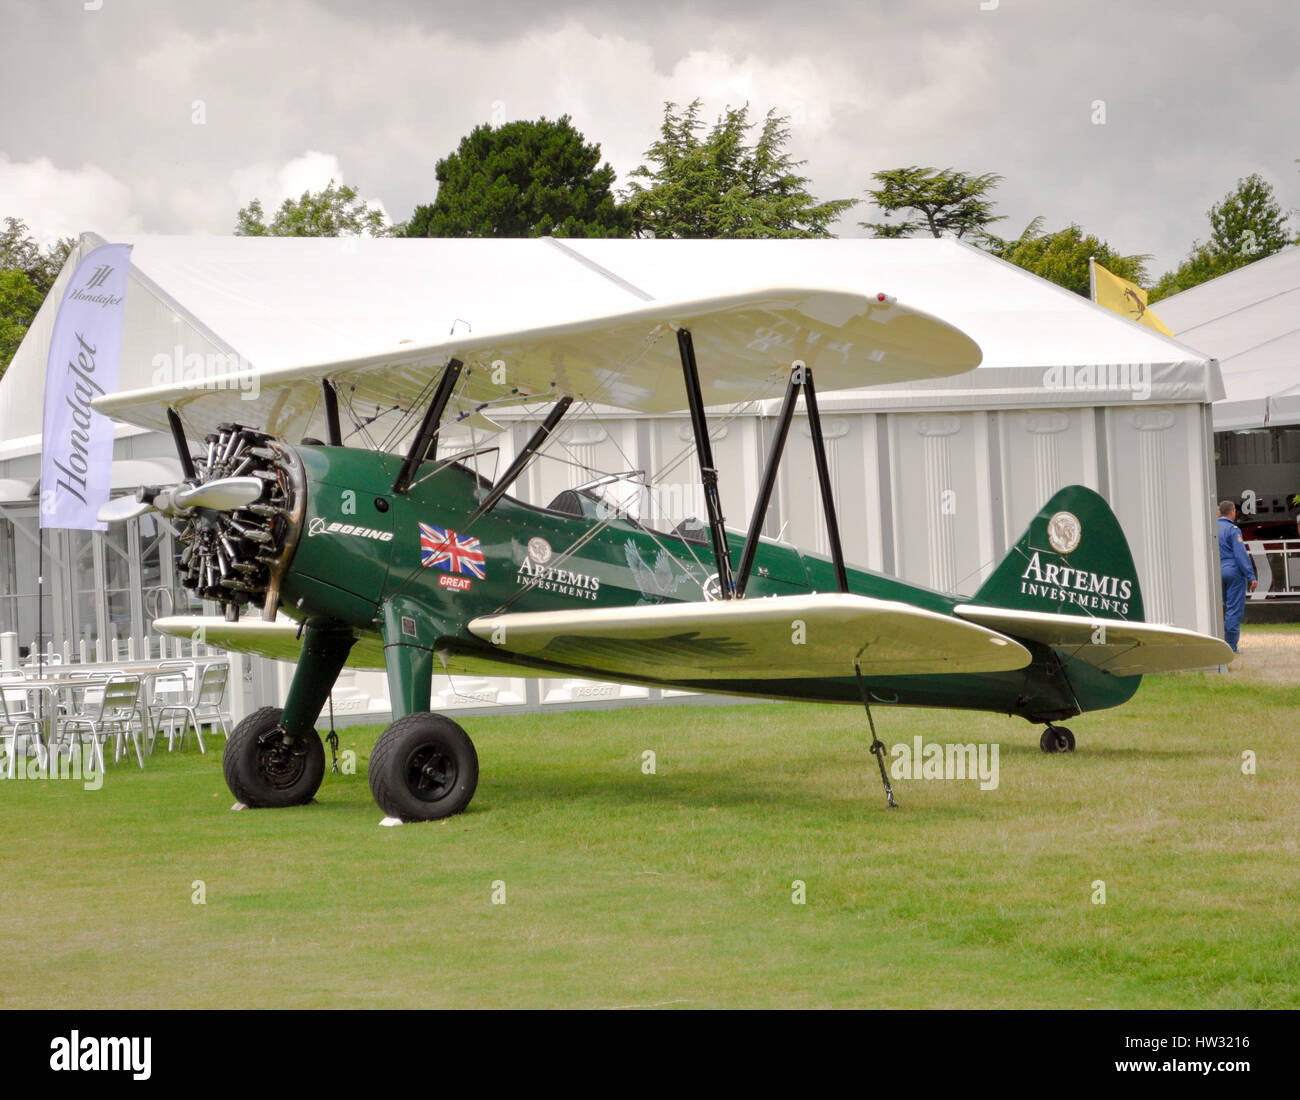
[(1056, 739), (274, 757), (265, 769), (424, 767)]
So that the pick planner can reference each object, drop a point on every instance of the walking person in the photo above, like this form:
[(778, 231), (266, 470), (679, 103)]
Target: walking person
[(1237, 572)]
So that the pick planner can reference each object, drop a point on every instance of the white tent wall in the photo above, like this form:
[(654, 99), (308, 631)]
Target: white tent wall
[(946, 495), (933, 482)]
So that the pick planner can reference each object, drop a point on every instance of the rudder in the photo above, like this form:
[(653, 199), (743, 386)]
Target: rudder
[(1072, 559)]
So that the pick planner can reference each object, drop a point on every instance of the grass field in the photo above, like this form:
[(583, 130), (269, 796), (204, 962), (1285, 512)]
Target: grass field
[(626, 889)]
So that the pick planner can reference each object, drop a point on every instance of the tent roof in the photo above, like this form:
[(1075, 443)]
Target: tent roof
[(282, 301), (1249, 320)]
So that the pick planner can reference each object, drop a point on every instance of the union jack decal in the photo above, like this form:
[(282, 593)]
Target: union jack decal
[(452, 552)]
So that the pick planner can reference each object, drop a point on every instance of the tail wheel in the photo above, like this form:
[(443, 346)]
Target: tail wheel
[(1056, 739), (263, 770), (424, 767)]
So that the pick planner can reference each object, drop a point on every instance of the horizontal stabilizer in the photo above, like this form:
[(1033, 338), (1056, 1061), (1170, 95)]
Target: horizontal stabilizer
[(1112, 645), (779, 637)]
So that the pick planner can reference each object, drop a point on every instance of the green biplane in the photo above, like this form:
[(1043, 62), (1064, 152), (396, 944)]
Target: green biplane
[(418, 564)]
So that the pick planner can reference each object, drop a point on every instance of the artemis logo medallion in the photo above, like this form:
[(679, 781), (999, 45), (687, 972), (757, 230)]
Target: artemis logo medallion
[(1064, 531), (539, 550)]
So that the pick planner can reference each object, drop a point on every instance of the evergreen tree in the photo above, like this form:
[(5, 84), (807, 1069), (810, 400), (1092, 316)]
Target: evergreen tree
[(715, 184), (333, 212), (522, 179)]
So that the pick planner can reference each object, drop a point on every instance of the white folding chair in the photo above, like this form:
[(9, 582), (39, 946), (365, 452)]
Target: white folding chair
[(204, 707), (173, 686), (111, 707), (17, 719)]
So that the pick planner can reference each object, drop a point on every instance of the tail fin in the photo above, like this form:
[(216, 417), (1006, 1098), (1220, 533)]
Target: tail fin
[(1072, 559), (1070, 584)]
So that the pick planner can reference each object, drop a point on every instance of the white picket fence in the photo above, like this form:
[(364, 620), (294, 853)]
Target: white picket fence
[(1277, 568), (116, 649)]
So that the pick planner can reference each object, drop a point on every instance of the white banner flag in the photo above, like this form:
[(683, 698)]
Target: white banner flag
[(77, 442)]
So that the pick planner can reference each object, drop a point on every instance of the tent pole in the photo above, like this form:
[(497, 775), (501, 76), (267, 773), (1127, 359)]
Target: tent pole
[(40, 618)]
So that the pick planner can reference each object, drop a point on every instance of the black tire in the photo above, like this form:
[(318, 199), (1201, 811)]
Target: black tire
[(424, 767), (262, 772), (1056, 739)]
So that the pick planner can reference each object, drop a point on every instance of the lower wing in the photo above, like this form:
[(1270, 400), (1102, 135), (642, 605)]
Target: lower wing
[(779, 637)]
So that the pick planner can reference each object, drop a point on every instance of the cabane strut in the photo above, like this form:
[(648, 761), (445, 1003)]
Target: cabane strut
[(426, 439)]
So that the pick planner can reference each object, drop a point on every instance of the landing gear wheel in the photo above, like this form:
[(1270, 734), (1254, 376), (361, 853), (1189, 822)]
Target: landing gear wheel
[(264, 772), (424, 767), (1056, 739)]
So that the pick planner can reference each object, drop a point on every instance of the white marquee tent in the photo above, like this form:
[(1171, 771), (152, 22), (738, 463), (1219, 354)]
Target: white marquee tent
[(1249, 320)]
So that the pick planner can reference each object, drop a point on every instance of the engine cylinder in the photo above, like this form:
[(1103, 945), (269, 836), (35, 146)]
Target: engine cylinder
[(238, 557)]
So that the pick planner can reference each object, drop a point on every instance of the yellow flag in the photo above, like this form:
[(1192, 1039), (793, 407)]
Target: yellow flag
[(1111, 291)]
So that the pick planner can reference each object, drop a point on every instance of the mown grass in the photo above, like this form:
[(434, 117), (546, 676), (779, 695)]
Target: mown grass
[(676, 888)]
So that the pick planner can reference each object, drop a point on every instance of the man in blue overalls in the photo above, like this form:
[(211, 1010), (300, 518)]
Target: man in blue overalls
[(1237, 571)]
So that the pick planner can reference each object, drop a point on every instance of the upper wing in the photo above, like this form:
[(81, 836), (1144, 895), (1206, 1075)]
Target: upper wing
[(744, 343), (1125, 649), (779, 637)]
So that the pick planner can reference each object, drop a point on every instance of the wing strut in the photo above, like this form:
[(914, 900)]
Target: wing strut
[(333, 430), (824, 477), (516, 468), (182, 447), (708, 472), (800, 378), (427, 437)]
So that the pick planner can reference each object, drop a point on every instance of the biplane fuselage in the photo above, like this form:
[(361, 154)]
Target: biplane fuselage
[(361, 550)]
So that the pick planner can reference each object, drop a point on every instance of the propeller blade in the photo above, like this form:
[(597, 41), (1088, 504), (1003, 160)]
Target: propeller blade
[(123, 508), (223, 495)]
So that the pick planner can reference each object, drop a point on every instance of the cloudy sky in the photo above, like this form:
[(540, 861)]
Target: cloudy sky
[(129, 116)]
